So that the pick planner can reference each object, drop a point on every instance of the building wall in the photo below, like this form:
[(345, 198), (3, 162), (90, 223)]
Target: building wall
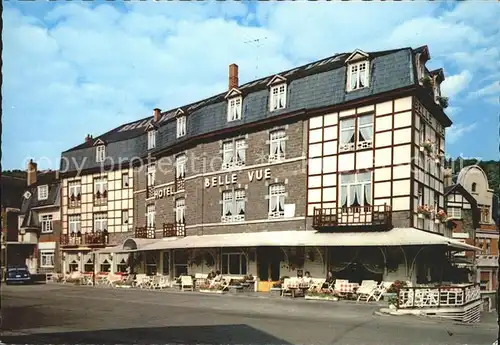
[(203, 197), (50, 241), (119, 198)]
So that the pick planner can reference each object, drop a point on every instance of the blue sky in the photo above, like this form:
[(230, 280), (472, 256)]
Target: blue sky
[(72, 68)]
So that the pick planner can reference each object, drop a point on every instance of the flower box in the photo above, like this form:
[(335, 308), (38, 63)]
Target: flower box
[(321, 297), (211, 291)]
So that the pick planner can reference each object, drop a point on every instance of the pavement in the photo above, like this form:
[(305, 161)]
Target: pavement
[(65, 314)]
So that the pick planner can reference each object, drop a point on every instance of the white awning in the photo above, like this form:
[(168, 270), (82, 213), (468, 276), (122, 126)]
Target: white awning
[(130, 245), (394, 237)]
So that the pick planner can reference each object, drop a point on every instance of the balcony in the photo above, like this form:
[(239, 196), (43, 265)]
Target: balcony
[(150, 191), (101, 198), (169, 230), (364, 218), (179, 182), (97, 238), (174, 230), (145, 232), (75, 201)]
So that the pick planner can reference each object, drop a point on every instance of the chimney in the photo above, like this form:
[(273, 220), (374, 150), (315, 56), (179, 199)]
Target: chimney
[(157, 114), (88, 138), (31, 172), (233, 76)]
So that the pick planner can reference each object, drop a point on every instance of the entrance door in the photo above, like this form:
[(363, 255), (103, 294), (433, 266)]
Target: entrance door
[(268, 262)]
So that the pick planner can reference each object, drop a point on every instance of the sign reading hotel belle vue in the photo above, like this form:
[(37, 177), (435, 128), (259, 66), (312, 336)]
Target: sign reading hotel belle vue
[(224, 180), (221, 180)]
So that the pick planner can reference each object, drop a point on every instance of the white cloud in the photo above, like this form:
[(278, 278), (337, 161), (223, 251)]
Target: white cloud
[(455, 84), (491, 89), (453, 111), (457, 131)]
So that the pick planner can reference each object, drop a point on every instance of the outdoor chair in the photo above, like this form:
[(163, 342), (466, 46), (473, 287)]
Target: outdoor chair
[(366, 289), (139, 280), (187, 282), (285, 287), (164, 282), (316, 284), (155, 283)]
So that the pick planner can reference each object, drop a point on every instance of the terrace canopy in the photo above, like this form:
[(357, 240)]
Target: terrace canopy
[(394, 237)]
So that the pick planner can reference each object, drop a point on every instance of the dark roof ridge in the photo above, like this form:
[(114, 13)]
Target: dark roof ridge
[(164, 119)]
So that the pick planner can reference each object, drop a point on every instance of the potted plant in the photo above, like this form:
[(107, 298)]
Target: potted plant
[(443, 101), (441, 217), (426, 146), (424, 211), (426, 82)]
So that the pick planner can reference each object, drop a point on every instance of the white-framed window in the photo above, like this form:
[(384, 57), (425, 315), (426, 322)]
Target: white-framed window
[(74, 223), (234, 263), (181, 126), (151, 139), (421, 201), (100, 185), (277, 98), (100, 221), (180, 210), (356, 189), (124, 216), (358, 75), (46, 224), (180, 166), (47, 258), (150, 175), (43, 192), (360, 137), (233, 153), (277, 200), (422, 131), (150, 216), (233, 205), (125, 182), (277, 141), (100, 153), (74, 189), (234, 109), (455, 212)]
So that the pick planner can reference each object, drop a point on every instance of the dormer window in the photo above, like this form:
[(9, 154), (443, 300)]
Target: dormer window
[(181, 126), (277, 97), (43, 192), (100, 153), (234, 109), (357, 77), (151, 139)]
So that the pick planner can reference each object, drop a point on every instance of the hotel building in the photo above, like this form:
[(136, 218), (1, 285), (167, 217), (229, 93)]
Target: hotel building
[(335, 165)]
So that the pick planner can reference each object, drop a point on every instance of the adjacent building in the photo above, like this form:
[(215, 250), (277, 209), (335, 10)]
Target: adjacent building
[(471, 205), (12, 188), (40, 221)]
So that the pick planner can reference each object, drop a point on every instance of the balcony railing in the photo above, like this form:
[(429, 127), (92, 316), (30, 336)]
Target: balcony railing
[(150, 191), (368, 217), (145, 232), (179, 182), (97, 238), (101, 198), (438, 296), (74, 201), (174, 230)]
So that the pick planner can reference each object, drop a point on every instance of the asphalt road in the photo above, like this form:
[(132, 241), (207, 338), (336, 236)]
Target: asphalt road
[(58, 314)]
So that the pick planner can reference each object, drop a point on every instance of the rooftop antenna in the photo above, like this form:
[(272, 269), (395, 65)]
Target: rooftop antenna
[(258, 43)]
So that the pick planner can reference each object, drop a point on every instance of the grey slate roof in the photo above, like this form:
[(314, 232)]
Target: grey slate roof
[(315, 85), (29, 205)]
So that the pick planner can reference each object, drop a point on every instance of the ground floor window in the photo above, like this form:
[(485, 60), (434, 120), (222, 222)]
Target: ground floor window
[(151, 264), (121, 266), (88, 266), (47, 258), (234, 263), (180, 263), (73, 266), (105, 266)]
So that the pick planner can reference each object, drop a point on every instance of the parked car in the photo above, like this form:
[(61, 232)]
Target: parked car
[(17, 274)]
